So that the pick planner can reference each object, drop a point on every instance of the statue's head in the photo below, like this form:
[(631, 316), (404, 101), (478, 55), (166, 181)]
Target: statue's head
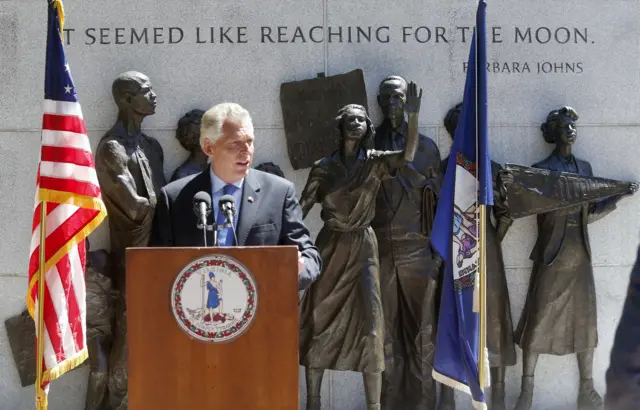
[(451, 120), (353, 123), (188, 131), (560, 126), (271, 168), (392, 94), (133, 94)]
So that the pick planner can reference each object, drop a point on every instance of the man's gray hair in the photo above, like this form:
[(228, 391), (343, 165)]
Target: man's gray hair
[(212, 120)]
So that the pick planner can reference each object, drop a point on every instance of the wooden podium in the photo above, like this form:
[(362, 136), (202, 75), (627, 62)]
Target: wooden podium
[(170, 369)]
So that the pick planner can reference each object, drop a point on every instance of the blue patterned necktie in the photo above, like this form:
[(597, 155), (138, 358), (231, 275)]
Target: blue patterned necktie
[(225, 236)]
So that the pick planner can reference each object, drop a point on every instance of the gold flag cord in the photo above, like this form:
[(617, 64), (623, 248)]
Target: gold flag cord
[(41, 397)]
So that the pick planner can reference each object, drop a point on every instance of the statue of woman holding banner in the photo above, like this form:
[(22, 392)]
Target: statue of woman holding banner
[(560, 313), (342, 322)]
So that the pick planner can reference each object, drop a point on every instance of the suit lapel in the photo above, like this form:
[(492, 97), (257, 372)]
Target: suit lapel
[(202, 182), (249, 207)]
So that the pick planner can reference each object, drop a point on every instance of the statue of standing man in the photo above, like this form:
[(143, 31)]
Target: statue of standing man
[(405, 208), (130, 170)]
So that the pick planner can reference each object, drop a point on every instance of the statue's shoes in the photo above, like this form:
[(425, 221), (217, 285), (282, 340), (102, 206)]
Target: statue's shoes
[(589, 399)]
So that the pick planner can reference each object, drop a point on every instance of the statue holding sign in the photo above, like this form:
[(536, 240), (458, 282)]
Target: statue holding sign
[(341, 313), (129, 165), (560, 313)]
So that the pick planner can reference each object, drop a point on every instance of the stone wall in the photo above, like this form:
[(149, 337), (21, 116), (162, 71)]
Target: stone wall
[(587, 56)]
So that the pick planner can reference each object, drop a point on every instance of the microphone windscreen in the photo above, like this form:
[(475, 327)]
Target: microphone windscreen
[(202, 196), (226, 199)]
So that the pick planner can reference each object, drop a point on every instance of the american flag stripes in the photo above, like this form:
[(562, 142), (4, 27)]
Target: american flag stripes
[(67, 187)]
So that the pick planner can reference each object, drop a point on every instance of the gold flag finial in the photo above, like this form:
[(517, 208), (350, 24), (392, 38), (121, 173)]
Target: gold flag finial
[(58, 5)]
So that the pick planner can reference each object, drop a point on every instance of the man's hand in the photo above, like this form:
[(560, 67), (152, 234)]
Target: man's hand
[(412, 105), (300, 263)]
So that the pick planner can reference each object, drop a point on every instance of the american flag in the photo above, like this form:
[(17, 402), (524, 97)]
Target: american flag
[(67, 186)]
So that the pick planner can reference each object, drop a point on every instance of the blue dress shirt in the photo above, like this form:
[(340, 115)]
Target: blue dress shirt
[(217, 186)]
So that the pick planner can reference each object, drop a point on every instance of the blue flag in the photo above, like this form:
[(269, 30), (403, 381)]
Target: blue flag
[(467, 184)]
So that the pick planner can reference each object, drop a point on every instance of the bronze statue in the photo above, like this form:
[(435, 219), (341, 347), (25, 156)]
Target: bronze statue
[(405, 208), (341, 323), (99, 327), (129, 165), (271, 168), (560, 313), (188, 134), (500, 344)]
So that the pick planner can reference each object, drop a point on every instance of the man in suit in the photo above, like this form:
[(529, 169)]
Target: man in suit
[(405, 207), (268, 212), (623, 375)]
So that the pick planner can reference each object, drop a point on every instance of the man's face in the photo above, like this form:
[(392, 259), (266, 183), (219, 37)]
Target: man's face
[(232, 154), (392, 98), (565, 130), (354, 124), (144, 100)]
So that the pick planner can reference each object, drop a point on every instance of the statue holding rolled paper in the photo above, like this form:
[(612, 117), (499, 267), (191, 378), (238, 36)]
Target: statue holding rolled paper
[(560, 313)]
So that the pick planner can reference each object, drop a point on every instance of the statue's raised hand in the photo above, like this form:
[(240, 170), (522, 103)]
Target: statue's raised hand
[(412, 105)]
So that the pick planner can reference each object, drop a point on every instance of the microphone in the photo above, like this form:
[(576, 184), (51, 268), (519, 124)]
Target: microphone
[(202, 208), (227, 204)]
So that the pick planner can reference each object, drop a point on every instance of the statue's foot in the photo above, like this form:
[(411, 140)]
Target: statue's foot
[(525, 400), (313, 403), (447, 403), (447, 398), (497, 397), (588, 397)]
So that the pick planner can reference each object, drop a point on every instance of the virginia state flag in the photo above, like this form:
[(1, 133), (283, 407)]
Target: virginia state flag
[(455, 236)]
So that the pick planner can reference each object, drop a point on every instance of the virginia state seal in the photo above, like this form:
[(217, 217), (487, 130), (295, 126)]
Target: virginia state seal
[(214, 299)]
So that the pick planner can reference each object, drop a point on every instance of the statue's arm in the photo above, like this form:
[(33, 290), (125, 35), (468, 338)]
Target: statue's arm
[(309, 195), (412, 108), (600, 209), (500, 209), (117, 183)]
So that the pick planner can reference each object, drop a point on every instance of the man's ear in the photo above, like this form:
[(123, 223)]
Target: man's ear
[(208, 147), (378, 98)]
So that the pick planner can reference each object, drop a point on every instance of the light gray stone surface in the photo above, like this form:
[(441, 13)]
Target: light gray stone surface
[(190, 75)]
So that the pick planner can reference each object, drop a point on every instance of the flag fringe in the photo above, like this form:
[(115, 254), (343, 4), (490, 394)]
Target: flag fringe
[(67, 198), (67, 365), (66, 248), (441, 378)]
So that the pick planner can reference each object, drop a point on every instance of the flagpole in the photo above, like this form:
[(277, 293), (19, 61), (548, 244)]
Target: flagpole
[(41, 398), (482, 268), (482, 356)]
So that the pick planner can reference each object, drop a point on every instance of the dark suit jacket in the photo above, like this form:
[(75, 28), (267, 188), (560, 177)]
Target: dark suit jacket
[(272, 217), (623, 375), (552, 225)]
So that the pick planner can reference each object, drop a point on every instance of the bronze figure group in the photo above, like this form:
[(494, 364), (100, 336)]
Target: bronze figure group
[(374, 308)]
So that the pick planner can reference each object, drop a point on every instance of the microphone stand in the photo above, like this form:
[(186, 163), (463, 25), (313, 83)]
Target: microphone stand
[(209, 228)]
